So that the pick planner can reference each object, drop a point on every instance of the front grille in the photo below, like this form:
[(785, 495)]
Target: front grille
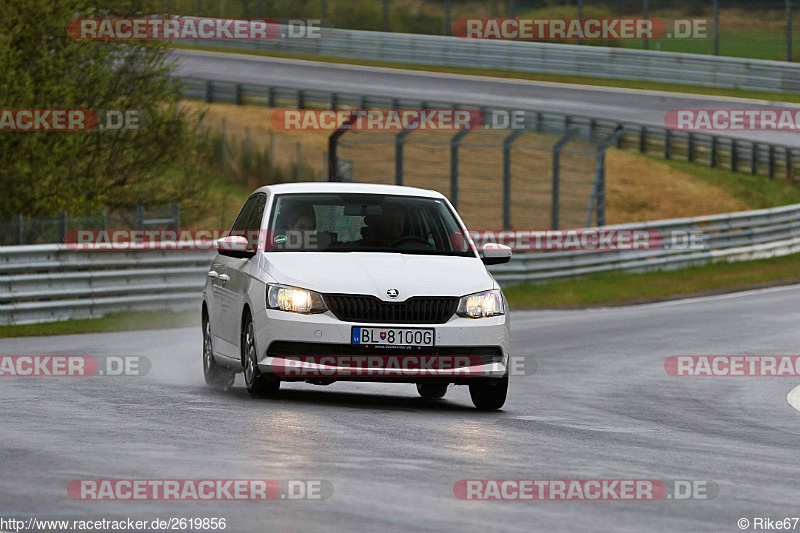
[(416, 310)]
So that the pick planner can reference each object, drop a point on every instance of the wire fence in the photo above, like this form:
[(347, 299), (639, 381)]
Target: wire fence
[(496, 178), (45, 230)]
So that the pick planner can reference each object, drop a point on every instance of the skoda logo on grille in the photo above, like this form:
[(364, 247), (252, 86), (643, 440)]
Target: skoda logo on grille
[(392, 293)]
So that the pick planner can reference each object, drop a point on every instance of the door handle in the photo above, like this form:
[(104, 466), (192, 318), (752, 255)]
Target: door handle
[(212, 274), (224, 277)]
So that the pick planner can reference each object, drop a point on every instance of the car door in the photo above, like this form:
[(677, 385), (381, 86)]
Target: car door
[(223, 304), (235, 282)]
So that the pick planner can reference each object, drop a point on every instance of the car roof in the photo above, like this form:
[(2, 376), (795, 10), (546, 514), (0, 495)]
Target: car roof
[(337, 187)]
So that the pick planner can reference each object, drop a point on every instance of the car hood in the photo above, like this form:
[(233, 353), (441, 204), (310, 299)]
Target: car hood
[(376, 273)]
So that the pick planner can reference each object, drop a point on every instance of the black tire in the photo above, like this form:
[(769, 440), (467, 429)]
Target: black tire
[(489, 397), (431, 391), (215, 374), (258, 383)]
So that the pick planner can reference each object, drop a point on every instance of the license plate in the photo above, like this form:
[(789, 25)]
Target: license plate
[(393, 336)]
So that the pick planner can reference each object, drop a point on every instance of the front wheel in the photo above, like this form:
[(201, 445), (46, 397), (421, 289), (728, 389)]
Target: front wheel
[(488, 397), (215, 374), (257, 383)]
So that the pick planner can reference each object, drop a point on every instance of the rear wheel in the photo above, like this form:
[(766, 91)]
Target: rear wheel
[(429, 391), (488, 397), (215, 374), (257, 382)]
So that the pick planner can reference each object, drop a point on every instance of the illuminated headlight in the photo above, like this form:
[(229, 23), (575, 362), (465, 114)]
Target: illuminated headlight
[(481, 304), (295, 300)]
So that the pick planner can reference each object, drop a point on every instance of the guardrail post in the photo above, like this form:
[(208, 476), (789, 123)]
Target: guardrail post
[(138, 216), (556, 193), (599, 188), (208, 92), (643, 139), (16, 221), (363, 102), (507, 142), (334, 101), (667, 142), (62, 226), (399, 139), (539, 121), (301, 98), (771, 162), (270, 96), (734, 155), (454, 142), (713, 162), (176, 216), (753, 158), (592, 128), (238, 94), (395, 103), (690, 147), (788, 164)]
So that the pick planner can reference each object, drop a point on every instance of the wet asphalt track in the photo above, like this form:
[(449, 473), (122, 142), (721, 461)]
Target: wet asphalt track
[(600, 405), (642, 107)]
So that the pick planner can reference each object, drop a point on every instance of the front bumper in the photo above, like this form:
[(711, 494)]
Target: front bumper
[(464, 350)]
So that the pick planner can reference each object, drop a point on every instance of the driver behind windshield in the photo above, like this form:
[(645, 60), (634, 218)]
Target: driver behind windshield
[(381, 231)]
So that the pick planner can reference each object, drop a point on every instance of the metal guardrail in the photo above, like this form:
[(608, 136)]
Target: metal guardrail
[(765, 159), (43, 283), (50, 282), (728, 237), (521, 56)]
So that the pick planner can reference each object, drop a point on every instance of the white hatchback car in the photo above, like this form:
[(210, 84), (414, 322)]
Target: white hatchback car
[(324, 282)]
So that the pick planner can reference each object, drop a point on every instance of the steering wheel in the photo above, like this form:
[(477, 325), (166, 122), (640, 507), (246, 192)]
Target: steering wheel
[(409, 238)]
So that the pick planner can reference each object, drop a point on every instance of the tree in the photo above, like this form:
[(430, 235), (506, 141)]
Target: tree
[(44, 68)]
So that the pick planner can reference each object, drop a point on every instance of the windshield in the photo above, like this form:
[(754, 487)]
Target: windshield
[(365, 223)]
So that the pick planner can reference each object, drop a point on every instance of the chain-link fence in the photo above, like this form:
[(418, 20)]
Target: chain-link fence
[(738, 28), (496, 178)]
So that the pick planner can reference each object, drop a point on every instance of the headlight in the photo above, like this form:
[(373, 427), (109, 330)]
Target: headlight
[(295, 300), (481, 304)]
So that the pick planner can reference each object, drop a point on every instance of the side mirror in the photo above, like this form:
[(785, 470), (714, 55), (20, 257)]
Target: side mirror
[(495, 254), (235, 246)]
